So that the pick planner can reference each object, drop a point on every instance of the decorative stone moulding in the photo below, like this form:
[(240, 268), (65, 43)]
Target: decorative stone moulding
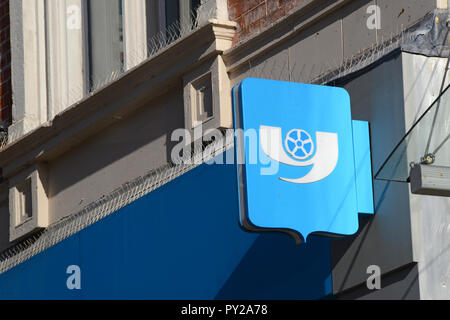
[(207, 100), (28, 202)]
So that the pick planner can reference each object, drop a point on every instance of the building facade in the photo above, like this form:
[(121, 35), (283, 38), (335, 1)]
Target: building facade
[(99, 89)]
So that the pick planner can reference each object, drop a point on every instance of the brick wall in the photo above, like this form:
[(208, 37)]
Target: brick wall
[(254, 15), (5, 63)]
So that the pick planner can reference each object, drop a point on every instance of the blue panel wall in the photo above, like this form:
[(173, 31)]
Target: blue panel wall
[(182, 241)]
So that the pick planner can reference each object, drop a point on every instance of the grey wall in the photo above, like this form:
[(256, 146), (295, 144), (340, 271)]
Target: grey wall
[(401, 284), (424, 78), (385, 239), (125, 151), (431, 218)]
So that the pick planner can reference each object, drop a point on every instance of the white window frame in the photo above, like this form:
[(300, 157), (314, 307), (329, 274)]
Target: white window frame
[(51, 61), (135, 29), (65, 55), (28, 61), (135, 32)]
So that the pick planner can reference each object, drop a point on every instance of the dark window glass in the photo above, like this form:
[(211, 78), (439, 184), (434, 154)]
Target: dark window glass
[(106, 48), (172, 12), (169, 16)]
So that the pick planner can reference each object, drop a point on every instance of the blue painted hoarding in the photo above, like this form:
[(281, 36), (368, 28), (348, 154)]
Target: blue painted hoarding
[(182, 241)]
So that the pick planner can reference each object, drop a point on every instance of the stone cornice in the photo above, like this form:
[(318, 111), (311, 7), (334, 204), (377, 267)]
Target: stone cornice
[(115, 101)]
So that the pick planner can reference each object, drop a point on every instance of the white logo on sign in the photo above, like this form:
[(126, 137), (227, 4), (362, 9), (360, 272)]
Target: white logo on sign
[(300, 146)]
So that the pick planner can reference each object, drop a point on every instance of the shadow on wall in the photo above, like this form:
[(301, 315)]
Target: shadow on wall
[(276, 268), (150, 125), (128, 149), (385, 239)]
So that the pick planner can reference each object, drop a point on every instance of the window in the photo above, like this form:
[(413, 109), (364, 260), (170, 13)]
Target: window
[(170, 15), (156, 17), (187, 11), (182, 11), (105, 36), (76, 47)]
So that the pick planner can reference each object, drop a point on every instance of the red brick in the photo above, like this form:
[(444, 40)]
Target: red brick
[(253, 16)]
